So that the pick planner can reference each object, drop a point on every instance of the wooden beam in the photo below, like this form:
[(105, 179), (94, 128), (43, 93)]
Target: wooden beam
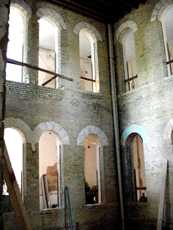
[(76, 6), (88, 79), (14, 62), (131, 78), (51, 79), (13, 189), (141, 188), (169, 62)]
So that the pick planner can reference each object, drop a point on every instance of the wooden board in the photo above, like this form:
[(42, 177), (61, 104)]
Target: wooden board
[(13, 189)]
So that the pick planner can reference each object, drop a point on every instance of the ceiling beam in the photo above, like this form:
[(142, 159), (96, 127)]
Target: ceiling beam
[(81, 9), (107, 13)]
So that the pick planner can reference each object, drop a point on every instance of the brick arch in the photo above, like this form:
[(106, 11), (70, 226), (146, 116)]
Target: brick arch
[(46, 10), (168, 132), (159, 8), (90, 28), (92, 130), (51, 126), (134, 129), (23, 7), (126, 25), (20, 125)]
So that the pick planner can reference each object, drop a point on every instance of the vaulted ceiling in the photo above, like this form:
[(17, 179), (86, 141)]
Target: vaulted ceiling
[(102, 10)]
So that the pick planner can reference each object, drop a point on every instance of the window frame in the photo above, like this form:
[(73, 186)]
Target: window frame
[(94, 62), (169, 60)]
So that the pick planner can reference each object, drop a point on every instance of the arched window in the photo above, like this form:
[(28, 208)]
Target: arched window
[(167, 24), (135, 169), (50, 170), (92, 170), (48, 51), (16, 44), (88, 61), (14, 140), (129, 55)]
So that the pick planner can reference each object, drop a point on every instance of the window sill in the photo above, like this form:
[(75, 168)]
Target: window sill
[(92, 206), (168, 77), (90, 94), (137, 203), (146, 84), (50, 210)]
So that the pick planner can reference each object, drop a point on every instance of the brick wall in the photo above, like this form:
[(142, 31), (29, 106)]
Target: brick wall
[(149, 107), (73, 110)]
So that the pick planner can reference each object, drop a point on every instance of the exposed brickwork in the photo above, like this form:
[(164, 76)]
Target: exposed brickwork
[(66, 111), (4, 12), (73, 114), (149, 107)]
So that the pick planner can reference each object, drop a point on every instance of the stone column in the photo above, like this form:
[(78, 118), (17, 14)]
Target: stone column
[(70, 62), (108, 175), (103, 68), (155, 55), (120, 70), (33, 47), (74, 174), (31, 178)]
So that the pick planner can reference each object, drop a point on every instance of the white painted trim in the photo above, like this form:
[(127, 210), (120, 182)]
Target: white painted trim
[(126, 25), (168, 131), (92, 130), (23, 7), (51, 126), (159, 9), (20, 125), (45, 10), (91, 29), (134, 129)]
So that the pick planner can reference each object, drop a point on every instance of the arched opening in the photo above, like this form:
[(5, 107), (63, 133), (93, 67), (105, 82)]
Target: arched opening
[(50, 180), (88, 61), (167, 24), (92, 170), (135, 170), (14, 140), (129, 55), (48, 51), (16, 44)]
